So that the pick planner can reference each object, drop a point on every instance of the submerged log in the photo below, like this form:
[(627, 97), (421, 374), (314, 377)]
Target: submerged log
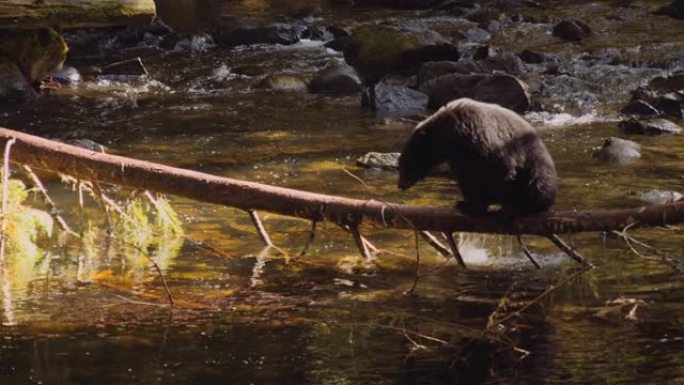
[(30, 14), (111, 169)]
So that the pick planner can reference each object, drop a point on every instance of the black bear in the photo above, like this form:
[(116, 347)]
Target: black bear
[(495, 156)]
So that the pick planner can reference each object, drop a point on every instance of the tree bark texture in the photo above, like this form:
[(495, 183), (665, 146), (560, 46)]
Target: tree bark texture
[(111, 169)]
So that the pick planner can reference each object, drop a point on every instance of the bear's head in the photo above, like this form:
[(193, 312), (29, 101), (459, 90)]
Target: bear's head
[(421, 153)]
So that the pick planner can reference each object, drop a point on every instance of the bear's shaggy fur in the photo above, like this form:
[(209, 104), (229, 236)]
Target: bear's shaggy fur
[(495, 156)]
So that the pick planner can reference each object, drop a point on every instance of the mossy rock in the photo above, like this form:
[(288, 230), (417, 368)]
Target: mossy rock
[(378, 50), (35, 52)]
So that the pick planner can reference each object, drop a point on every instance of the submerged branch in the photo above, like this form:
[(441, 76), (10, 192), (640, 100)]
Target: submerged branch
[(112, 169)]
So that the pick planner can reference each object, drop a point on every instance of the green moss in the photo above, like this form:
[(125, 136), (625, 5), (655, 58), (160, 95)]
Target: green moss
[(382, 45), (35, 52)]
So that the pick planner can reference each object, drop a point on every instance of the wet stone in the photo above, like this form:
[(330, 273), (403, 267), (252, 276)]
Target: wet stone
[(657, 196), (674, 82), (640, 108), (379, 160), (619, 151), (531, 57), (336, 79), (283, 83), (504, 90), (395, 100), (655, 126), (572, 30)]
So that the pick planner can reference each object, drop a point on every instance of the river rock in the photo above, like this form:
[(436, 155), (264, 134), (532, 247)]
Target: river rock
[(381, 49), (571, 30), (336, 79), (13, 84), (230, 31), (670, 103), (395, 100), (318, 32), (620, 151), (640, 108), (654, 126), (672, 83), (531, 57), (283, 83), (502, 89), (380, 160), (398, 4), (509, 64), (656, 196), (674, 9), (67, 75)]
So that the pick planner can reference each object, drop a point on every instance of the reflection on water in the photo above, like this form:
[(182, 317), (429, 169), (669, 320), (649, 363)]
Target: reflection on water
[(86, 313)]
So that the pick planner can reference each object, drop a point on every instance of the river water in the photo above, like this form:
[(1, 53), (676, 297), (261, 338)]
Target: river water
[(246, 315)]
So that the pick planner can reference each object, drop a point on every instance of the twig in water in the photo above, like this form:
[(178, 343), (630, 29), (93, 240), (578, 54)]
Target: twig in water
[(51, 204), (417, 275), (108, 219), (527, 252), (309, 241), (136, 302), (543, 295), (357, 178), (569, 250), (156, 267), (454, 249)]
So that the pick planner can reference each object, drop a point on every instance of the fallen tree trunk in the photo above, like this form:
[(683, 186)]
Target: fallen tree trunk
[(74, 13), (111, 169)]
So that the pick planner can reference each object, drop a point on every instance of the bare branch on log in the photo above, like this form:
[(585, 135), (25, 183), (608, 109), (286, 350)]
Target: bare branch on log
[(527, 252), (260, 228), (360, 244), (310, 239), (454, 249), (112, 169), (434, 242), (572, 253)]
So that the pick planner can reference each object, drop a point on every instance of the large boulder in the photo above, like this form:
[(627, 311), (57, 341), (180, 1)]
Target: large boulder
[(502, 89), (381, 49), (336, 79), (655, 126), (509, 64), (230, 31)]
